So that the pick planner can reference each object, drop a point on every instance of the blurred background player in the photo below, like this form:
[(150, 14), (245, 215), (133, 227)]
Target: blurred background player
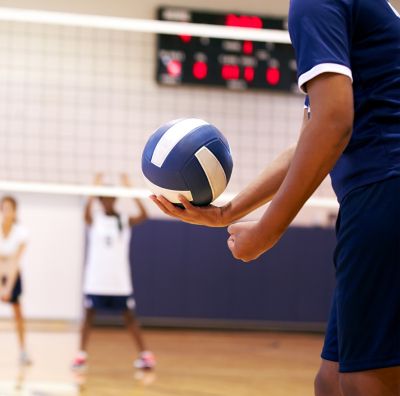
[(13, 239), (107, 279)]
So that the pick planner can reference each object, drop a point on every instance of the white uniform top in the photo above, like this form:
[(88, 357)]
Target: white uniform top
[(10, 244), (107, 269)]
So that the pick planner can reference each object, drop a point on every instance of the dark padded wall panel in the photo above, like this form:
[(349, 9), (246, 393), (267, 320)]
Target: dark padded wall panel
[(185, 271)]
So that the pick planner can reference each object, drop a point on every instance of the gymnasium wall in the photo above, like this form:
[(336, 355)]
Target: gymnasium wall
[(75, 101), (61, 123)]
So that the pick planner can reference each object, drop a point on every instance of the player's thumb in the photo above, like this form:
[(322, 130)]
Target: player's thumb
[(231, 243), (232, 229)]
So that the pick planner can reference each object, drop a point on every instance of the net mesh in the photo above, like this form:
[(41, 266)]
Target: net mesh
[(75, 101)]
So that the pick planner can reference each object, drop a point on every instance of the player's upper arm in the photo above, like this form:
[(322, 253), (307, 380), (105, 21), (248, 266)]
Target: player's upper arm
[(21, 249), (332, 107), (23, 235), (321, 35)]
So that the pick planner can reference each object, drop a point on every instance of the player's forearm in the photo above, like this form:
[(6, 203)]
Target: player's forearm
[(318, 149), (261, 190), (88, 211), (142, 210), (12, 274), (15, 267), (142, 216)]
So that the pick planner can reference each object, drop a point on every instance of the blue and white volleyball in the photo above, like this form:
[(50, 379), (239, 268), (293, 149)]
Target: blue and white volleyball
[(189, 157)]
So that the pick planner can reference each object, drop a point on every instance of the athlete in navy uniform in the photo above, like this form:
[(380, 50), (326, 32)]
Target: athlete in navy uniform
[(348, 55)]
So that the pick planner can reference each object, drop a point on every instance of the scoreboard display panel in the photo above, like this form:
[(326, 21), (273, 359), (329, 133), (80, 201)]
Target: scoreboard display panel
[(234, 64)]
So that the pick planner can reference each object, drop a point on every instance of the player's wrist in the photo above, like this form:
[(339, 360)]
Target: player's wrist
[(226, 215), (265, 237)]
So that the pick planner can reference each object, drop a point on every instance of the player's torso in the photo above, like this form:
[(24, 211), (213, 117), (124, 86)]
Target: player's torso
[(9, 245), (373, 153), (107, 268), (375, 58)]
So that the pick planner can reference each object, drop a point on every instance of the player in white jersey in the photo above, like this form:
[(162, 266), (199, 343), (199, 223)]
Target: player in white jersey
[(13, 240), (107, 278)]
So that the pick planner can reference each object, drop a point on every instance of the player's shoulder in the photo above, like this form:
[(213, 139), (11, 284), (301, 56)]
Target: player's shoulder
[(21, 231), (124, 218), (317, 9)]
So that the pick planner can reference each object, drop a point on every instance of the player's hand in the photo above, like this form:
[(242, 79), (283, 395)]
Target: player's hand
[(211, 216), (125, 180), (248, 241), (5, 296), (98, 179)]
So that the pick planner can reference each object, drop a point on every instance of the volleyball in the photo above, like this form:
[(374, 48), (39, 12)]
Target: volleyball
[(190, 157)]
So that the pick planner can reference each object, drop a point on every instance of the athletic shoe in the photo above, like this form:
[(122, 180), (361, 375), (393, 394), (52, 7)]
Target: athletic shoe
[(24, 359), (80, 362), (145, 361)]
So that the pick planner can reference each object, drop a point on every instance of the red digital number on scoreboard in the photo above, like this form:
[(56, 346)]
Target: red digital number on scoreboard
[(247, 21), (230, 72), (200, 70), (273, 76), (248, 73)]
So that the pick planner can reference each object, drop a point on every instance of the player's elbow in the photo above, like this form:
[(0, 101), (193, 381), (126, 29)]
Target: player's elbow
[(143, 217), (337, 124), (332, 104), (342, 126)]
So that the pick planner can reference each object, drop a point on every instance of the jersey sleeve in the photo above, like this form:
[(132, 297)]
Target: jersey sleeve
[(23, 235), (96, 210), (321, 35), (307, 102), (125, 220)]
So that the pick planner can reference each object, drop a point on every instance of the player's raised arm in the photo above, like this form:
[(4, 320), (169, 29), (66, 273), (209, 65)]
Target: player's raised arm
[(260, 191), (98, 181), (142, 216), (320, 145)]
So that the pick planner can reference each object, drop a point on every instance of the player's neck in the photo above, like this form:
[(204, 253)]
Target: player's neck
[(110, 212), (7, 225)]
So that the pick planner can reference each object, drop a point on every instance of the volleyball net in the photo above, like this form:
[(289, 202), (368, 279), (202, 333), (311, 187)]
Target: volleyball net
[(81, 94)]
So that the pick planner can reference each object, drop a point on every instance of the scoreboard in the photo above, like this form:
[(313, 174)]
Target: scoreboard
[(234, 64)]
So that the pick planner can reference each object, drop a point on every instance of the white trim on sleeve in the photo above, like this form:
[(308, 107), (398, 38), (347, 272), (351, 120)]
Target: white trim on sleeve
[(323, 68)]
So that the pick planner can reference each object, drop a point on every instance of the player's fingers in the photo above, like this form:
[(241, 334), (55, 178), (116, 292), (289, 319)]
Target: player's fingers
[(233, 229), (160, 205), (233, 248), (173, 209), (231, 244), (186, 203)]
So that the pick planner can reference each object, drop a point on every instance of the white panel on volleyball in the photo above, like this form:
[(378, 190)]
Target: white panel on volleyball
[(172, 137), (214, 171), (171, 195)]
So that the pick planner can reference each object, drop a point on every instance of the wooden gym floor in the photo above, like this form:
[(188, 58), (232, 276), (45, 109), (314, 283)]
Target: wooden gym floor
[(190, 363)]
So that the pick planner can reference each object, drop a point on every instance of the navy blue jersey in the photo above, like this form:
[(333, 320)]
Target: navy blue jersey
[(359, 39)]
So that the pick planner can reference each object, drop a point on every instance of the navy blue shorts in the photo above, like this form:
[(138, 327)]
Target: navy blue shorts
[(109, 303), (364, 327), (17, 290)]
